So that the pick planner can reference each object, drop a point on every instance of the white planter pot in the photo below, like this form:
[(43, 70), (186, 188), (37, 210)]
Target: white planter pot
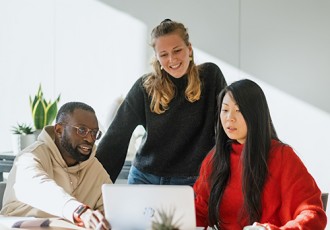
[(20, 141)]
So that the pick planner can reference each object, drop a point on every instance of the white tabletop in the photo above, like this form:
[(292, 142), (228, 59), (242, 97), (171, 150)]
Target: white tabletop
[(31, 223)]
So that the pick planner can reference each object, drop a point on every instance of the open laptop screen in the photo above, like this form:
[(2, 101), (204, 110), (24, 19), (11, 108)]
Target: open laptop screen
[(130, 207)]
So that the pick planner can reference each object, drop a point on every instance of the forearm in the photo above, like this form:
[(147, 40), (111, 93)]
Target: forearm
[(36, 187)]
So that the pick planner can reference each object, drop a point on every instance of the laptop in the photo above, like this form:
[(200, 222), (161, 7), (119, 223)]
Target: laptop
[(135, 207)]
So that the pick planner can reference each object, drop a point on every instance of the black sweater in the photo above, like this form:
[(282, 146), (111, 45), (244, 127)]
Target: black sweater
[(175, 142)]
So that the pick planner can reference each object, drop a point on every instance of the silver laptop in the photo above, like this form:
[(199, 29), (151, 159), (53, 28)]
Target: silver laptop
[(130, 207)]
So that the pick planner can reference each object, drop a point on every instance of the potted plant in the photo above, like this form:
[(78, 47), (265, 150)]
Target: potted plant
[(165, 220), (22, 129), (23, 136), (43, 112)]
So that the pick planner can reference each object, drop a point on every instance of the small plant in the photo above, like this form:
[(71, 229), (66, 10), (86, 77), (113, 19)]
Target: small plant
[(23, 129), (43, 112), (165, 221)]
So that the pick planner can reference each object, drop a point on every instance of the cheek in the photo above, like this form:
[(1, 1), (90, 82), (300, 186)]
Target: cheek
[(161, 59), (187, 54), (162, 62), (222, 120), (243, 128), (69, 139), (184, 58)]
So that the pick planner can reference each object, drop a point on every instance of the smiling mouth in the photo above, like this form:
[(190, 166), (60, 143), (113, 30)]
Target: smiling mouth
[(85, 148), (175, 66)]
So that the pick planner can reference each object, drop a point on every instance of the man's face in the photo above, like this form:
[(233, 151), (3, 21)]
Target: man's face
[(78, 135), (72, 149)]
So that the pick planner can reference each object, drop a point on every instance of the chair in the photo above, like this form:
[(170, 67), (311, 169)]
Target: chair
[(2, 191), (325, 200)]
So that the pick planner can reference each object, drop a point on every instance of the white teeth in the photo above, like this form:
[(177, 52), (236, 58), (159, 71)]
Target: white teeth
[(175, 66)]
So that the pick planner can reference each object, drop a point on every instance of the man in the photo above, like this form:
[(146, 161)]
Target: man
[(58, 175)]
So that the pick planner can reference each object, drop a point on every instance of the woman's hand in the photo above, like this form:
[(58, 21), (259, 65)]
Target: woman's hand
[(95, 219), (255, 226), (259, 226)]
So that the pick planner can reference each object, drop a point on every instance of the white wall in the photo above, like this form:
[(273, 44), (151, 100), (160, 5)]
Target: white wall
[(93, 51), (76, 48), (286, 44)]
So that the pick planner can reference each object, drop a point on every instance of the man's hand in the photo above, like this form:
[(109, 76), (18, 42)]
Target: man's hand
[(94, 219)]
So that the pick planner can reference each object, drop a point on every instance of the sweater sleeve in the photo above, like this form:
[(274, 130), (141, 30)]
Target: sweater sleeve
[(220, 79), (202, 192), (34, 187), (301, 197), (112, 149)]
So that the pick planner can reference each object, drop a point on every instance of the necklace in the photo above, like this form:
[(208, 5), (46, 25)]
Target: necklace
[(70, 178)]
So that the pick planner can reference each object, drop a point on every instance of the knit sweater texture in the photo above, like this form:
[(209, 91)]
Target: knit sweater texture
[(291, 198), (39, 183), (175, 142)]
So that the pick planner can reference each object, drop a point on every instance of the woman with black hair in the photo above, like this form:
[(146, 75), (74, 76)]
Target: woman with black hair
[(251, 177)]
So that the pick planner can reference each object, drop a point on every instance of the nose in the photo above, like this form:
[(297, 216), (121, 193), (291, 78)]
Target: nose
[(230, 116), (89, 137), (172, 57)]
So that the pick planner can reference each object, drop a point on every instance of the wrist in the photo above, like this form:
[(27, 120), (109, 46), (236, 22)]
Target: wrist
[(77, 214)]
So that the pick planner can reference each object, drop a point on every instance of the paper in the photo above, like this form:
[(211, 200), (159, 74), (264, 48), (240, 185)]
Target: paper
[(10, 222), (24, 222)]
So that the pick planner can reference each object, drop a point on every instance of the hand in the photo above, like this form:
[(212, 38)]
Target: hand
[(265, 226), (94, 219), (255, 226)]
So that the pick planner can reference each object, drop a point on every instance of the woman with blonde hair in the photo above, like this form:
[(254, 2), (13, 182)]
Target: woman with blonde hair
[(176, 104)]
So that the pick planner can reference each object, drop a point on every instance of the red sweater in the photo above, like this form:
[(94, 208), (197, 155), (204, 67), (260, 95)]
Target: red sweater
[(291, 199)]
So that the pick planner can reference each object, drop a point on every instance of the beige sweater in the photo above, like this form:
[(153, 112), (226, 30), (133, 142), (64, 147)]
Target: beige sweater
[(39, 182)]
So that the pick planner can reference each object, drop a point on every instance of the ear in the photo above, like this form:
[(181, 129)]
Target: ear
[(190, 49), (58, 129)]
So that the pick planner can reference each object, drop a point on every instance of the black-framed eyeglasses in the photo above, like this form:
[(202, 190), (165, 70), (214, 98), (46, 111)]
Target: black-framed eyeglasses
[(83, 131)]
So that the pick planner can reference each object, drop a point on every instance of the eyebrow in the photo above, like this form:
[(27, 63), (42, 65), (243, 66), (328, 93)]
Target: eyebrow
[(85, 126), (228, 104), (176, 47)]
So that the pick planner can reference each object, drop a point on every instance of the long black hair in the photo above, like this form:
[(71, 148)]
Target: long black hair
[(260, 131)]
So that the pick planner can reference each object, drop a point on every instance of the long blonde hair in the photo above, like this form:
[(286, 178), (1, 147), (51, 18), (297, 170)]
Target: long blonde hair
[(158, 85)]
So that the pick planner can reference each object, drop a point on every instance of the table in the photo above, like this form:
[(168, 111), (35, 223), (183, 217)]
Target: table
[(6, 162), (55, 224)]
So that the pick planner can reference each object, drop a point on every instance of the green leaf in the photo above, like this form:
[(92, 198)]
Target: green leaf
[(38, 115), (51, 112), (43, 112), (40, 93), (33, 103)]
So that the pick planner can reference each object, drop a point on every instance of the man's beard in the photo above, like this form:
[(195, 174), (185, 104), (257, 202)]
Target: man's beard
[(74, 152)]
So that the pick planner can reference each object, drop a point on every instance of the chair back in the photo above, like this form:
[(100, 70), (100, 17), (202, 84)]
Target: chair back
[(2, 191), (325, 200)]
